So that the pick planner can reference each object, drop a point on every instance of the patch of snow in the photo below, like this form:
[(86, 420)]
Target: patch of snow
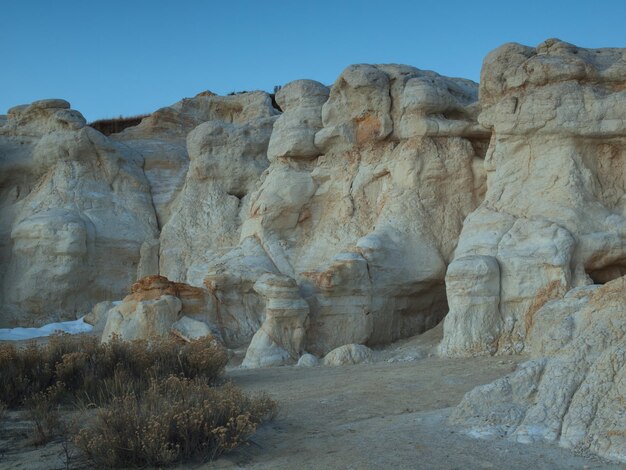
[(72, 327), (488, 432)]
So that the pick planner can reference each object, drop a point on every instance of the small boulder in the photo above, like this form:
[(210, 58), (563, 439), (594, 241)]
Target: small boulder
[(308, 360), (98, 315), (348, 354), (189, 329)]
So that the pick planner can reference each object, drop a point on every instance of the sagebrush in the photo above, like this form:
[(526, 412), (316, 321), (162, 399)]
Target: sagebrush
[(157, 402), (175, 420), (83, 368), (115, 125)]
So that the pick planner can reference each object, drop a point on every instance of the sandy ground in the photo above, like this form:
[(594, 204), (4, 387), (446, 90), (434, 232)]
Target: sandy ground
[(389, 414)]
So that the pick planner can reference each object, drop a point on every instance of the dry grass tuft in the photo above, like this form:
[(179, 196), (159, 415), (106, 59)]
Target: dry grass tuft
[(42, 409)]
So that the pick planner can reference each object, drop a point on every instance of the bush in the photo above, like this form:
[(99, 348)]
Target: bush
[(176, 420), (115, 125), (44, 413), (159, 401), (96, 372)]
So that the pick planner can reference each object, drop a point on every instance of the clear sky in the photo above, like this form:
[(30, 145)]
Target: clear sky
[(112, 58)]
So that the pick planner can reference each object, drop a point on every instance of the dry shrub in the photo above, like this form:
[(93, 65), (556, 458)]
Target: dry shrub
[(159, 400), (175, 420), (98, 372), (43, 410), (115, 125)]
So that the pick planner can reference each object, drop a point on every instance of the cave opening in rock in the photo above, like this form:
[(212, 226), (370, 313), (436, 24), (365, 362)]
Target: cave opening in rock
[(607, 273), (238, 194)]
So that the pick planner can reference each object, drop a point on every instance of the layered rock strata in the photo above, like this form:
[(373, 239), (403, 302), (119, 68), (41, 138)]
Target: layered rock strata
[(362, 203), (158, 307), (75, 209), (554, 214)]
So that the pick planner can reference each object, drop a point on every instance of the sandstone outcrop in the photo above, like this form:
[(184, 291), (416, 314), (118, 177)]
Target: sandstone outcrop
[(355, 195), (554, 214), (360, 208), (158, 307), (294, 131), (161, 138), (280, 338), (226, 161), (539, 266), (202, 155), (75, 210), (349, 216), (142, 319), (573, 390)]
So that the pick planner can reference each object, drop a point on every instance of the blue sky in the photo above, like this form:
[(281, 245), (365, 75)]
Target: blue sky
[(114, 58)]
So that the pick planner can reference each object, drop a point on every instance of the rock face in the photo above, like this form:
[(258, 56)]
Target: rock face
[(573, 390), (554, 214), (202, 156), (75, 209), (361, 205), (540, 264), (354, 215), (226, 161)]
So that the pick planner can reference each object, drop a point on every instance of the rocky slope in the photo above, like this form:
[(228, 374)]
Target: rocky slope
[(573, 391), (355, 214)]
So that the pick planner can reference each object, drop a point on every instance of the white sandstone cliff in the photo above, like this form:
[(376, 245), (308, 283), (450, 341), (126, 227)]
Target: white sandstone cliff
[(362, 204), (75, 209), (554, 215), (540, 264)]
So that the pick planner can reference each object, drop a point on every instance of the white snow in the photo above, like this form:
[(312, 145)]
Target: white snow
[(71, 327)]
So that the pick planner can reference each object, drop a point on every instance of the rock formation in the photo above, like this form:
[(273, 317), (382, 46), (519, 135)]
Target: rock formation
[(573, 390), (361, 205), (203, 156), (75, 210), (348, 354), (158, 307), (554, 214), (528, 271), (280, 338), (331, 218)]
